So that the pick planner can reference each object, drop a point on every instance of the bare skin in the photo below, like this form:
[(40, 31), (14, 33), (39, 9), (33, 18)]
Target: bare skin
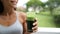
[(8, 17)]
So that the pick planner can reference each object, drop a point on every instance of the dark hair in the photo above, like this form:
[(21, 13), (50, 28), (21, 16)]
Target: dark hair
[(1, 7)]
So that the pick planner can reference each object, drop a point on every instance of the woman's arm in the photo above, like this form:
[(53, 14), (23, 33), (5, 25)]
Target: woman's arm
[(23, 16), (23, 19)]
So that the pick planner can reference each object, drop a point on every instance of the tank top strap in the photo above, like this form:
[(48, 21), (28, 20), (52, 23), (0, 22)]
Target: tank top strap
[(17, 14)]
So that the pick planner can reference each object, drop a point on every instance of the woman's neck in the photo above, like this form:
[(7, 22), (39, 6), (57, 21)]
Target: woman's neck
[(8, 11)]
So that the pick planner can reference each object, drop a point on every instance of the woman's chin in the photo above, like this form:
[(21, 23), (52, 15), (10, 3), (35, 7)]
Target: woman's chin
[(14, 6)]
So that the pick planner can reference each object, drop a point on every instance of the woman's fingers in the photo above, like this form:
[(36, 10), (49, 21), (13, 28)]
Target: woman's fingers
[(35, 28), (35, 24)]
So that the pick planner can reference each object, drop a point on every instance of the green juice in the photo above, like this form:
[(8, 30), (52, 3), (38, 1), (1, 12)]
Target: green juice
[(30, 20)]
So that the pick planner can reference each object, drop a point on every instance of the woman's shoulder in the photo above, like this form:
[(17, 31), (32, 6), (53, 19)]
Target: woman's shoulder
[(22, 16)]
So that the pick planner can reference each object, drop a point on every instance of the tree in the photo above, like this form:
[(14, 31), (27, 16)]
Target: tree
[(34, 4), (52, 4)]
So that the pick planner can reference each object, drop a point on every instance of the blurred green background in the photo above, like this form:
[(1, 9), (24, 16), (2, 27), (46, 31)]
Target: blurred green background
[(47, 13)]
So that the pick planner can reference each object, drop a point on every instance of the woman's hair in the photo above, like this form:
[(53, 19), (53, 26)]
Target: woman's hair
[(1, 7)]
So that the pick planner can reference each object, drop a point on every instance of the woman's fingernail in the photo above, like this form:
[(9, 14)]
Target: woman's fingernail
[(32, 28), (33, 23)]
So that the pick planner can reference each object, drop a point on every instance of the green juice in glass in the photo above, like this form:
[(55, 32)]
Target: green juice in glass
[(30, 20)]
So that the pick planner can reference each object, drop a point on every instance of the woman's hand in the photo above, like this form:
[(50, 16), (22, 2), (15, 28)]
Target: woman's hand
[(35, 26)]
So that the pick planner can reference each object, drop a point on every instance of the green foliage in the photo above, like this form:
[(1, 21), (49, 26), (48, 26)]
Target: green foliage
[(56, 11), (35, 4), (57, 2), (57, 20), (51, 5)]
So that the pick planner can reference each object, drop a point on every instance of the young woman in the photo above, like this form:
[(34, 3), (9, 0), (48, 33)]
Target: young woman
[(12, 21)]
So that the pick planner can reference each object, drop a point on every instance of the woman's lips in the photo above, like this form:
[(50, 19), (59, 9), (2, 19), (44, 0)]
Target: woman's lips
[(14, 2)]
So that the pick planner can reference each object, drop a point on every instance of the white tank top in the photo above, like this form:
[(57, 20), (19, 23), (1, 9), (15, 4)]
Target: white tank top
[(15, 28)]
